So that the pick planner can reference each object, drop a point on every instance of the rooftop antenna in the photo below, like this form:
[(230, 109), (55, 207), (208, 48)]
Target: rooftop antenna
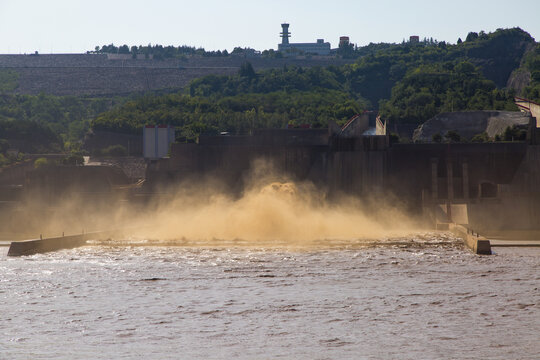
[(285, 34)]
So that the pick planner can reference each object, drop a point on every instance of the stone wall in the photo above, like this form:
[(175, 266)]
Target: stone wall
[(106, 81), (95, 74)]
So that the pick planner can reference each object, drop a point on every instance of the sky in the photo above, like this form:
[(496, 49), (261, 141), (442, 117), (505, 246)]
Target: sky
[(74, 26)]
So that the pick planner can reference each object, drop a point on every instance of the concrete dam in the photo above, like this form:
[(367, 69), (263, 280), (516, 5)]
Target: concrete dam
[(487, 187), (497, 185), (107, 74)]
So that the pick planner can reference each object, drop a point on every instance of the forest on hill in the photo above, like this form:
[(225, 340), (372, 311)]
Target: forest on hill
[(407, 83)]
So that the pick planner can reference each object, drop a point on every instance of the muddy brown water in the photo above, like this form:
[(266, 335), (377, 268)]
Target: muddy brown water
[(422, 297)]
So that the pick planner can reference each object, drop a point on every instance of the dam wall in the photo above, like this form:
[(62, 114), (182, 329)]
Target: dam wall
[(231, 159), (52, 184), (522, 195), (14, 174), (102, 81), (102, 60), (497, 184), (455, 172), (97, 75)]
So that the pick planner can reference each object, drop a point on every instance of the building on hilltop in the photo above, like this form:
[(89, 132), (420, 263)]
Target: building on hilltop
[(343, 41), (318, 48)]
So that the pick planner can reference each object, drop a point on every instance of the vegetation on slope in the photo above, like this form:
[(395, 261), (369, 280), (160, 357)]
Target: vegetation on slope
[(431, 89), (46, 123), (236, 114), (8, 81), (496, 54), (408, 83), (531, 64)]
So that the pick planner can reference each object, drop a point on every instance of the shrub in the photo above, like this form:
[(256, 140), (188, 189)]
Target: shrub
[(481, 138), (452, 136), (41, 162), (394, 138), (4, 145), (73, 159), (436, 138), (114, 150)]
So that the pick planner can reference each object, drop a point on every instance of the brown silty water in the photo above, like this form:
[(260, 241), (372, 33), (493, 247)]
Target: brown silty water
[(276, 272)]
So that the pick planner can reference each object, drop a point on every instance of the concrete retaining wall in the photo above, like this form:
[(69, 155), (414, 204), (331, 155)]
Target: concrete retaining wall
[(478, 244), (36, 246), (94, 74)]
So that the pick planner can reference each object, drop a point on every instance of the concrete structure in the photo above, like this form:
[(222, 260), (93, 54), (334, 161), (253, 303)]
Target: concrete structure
[(414, 39), (478, 244), (483, 186), (470, 123), (285, 34), (123, 57), (157, 140), (355, 127), (529, 107), (343, 41), (380, 126), (96, 74), (90, 183), (35, 246), (42, 245), (318, 48)]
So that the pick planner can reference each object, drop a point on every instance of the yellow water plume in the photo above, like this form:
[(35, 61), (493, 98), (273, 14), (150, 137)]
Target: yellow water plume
[(271, 210), (281, 212)]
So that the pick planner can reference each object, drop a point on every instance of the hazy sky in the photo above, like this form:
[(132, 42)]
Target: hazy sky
[(77, 26)]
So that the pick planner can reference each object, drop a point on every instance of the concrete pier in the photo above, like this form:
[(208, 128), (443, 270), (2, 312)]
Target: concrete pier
[(478, 244), (42, 245)]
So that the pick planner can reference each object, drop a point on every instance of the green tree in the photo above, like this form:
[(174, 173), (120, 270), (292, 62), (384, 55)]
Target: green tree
[(4, 146), (452, 136), (41, 162), (124, 49), (472, 36), (246, 70), (480, 138)]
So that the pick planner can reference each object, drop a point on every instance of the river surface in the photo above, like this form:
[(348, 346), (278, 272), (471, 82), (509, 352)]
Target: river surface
[(415, 298)]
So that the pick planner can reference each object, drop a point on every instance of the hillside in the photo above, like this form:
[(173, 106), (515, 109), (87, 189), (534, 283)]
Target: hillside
[(408, 83), (527, 77)]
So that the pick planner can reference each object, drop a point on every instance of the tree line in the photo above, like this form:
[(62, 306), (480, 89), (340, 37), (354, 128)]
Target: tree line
[(406, 83), (160, 52)]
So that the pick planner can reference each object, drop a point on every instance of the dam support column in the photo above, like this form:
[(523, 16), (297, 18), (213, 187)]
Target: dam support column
[(465, 178), (450, 186), (434, 180)]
